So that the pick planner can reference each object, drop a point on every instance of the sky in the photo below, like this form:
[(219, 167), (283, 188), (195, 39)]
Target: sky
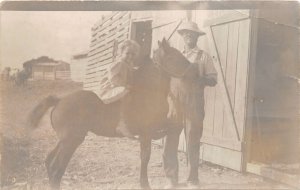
[(31, 34)]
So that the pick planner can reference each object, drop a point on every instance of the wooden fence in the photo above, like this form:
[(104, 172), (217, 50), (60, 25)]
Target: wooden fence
[(63, 75), (58, 75)]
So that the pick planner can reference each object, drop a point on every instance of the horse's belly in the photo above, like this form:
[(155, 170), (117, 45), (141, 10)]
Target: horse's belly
[(107, 121), (105, 128), (83, 111)]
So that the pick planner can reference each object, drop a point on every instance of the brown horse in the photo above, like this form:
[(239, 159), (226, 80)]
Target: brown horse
[(76, 114)]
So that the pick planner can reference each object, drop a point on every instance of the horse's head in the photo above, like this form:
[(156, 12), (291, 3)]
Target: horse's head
[(170, 60), (154, 74)]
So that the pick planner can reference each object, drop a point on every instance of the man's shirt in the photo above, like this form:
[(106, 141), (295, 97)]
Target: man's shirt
[(187, 93)]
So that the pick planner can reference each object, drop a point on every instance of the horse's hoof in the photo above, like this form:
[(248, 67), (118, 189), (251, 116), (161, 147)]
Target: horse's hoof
[(192, 185), (146, 187), (171, 184), (54, 187)]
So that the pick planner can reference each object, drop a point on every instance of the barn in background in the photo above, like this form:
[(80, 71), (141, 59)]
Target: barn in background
[(51, 71), (251, 122), (78, 66)]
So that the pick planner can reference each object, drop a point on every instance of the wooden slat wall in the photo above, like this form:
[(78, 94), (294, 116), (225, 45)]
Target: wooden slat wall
[(106, 35), (242, 64), (231, 70), (221, 36), (227, 37), (219, 136)]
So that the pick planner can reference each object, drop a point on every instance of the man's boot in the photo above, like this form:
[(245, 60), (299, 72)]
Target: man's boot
[(171, 183)]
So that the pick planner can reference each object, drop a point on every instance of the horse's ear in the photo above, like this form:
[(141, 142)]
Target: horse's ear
[(159, 43), (165, 44), (164, 40)]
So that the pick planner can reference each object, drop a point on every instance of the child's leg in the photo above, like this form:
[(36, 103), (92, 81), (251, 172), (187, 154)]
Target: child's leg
[(122, 127)]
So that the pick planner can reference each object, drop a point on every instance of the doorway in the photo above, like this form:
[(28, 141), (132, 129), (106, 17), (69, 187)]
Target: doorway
[(141, 32)]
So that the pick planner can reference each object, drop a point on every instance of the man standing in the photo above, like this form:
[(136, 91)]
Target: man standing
[(186, 100)]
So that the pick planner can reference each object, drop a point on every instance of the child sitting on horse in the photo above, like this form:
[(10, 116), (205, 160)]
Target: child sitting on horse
[(120, 75)]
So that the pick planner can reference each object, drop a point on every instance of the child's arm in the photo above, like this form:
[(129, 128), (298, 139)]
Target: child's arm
[(117, 75)]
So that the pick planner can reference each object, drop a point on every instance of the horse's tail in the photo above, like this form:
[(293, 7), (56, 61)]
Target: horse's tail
[(38, 112)]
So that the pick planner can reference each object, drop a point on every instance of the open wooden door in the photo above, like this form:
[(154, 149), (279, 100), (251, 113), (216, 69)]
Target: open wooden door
[(226, 104)]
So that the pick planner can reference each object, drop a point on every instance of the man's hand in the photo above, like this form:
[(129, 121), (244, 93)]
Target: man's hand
[(210, 80)]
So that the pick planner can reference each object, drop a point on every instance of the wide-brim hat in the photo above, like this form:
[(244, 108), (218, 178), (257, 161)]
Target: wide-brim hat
[(191, 26)]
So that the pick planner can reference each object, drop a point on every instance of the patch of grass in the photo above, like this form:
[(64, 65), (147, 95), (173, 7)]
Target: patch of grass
[(16, 103)]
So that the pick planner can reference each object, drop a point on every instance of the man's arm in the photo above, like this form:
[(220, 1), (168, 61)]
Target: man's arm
[(211, 79)]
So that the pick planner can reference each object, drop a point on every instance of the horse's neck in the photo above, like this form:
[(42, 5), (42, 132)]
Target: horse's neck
[(149, 81)]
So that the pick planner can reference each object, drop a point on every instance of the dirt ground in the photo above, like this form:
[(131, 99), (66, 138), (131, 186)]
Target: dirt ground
[(99, 163)]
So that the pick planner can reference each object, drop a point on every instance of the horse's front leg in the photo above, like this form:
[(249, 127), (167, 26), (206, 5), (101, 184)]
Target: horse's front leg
[(145, 143)]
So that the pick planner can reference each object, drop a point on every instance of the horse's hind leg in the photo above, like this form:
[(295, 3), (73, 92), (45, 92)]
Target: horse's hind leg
[(145, 144), (59, 158), (50, 157)]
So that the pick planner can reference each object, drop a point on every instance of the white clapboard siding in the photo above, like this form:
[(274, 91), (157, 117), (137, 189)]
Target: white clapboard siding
[(106, 36)]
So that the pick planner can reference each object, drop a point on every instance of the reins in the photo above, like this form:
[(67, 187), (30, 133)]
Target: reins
[(174, 30)]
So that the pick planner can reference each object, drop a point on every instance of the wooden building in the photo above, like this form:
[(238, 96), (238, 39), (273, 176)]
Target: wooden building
[(251, 115), (51, 71), (78, 66)]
